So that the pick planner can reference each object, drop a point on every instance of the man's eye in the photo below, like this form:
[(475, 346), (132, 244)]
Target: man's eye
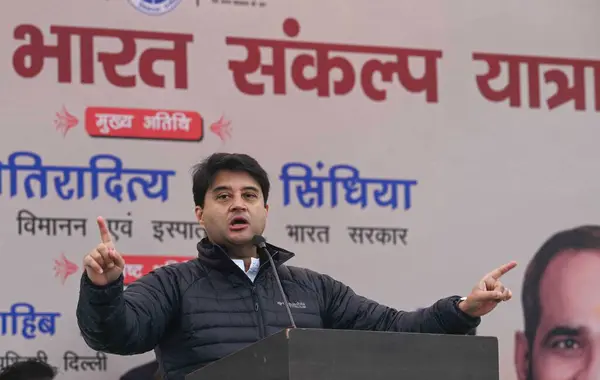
[(222, 196), (251, 195), (566, 344)]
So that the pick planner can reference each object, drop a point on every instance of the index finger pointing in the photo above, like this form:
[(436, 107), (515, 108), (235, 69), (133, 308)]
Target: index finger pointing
[(104, 234), (498, 272)]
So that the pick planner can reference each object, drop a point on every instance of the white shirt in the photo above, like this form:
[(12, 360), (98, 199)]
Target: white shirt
[(252, 271)]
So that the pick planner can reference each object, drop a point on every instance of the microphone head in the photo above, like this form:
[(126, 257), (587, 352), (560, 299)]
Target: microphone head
[(259, 241)]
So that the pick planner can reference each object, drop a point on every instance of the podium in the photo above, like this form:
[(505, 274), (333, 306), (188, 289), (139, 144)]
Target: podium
[(314, 354)]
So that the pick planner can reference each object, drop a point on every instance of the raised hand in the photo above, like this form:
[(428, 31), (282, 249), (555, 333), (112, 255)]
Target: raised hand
[(488, 293), (103, 264)]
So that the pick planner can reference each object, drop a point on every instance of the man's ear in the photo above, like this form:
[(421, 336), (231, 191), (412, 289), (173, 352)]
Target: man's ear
[(267, 209), (522, 355), (199, 215)]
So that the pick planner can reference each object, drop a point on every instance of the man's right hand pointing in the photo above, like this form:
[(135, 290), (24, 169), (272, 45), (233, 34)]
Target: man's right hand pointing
[(104, 264)]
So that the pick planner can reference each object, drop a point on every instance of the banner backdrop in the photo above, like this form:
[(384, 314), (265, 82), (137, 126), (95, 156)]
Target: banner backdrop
[(412, 148)]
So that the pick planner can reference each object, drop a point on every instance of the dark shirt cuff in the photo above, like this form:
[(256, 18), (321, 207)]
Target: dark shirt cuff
[(103, 294), (457, 321)]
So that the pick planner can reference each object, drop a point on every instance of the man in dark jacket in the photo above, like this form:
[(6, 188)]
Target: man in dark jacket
[(197, 312)]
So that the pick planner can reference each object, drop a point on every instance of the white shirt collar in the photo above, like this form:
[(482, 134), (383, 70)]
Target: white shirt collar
[(252, 271)]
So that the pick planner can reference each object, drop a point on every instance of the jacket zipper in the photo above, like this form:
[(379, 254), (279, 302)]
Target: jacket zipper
[(257, 309), (255, 298)]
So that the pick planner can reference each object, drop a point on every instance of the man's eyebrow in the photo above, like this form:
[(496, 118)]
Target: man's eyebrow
[(253, 188), (222, 188), (562, 331)]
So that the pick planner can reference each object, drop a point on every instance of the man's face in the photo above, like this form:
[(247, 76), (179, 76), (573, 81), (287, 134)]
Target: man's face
[(234, 209), (567, 340)]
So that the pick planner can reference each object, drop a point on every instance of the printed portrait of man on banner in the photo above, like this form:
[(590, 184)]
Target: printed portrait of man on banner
[(561, 309)]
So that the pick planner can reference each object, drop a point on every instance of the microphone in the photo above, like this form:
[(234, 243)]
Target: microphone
[(261, 244)]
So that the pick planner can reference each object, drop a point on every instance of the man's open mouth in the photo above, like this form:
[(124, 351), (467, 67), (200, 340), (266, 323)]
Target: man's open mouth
[(238, 223)]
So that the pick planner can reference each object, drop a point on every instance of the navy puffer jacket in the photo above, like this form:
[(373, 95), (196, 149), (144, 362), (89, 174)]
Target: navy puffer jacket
[(196, 312)]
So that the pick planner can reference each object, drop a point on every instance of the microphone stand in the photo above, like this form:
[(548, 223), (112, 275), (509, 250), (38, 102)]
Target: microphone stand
[(261, 244)]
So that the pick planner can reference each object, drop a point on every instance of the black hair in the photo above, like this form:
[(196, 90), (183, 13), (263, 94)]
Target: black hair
[(205, 172), (28, 370), (575, 239)]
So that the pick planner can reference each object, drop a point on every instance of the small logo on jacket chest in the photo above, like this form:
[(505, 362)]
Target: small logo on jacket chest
[(294, 305)]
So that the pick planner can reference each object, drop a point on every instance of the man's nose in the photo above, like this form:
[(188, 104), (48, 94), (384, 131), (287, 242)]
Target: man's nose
[(238, 203)]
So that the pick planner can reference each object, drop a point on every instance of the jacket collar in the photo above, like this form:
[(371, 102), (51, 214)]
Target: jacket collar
[(216, 256)]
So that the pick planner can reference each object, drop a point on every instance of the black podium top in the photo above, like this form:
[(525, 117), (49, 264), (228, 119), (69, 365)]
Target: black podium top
[(311, 354)]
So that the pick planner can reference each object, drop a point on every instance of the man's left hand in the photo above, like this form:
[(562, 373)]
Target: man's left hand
[(488, 293)]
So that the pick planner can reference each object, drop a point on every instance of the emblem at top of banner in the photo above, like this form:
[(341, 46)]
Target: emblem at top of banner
[(155, 7)]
